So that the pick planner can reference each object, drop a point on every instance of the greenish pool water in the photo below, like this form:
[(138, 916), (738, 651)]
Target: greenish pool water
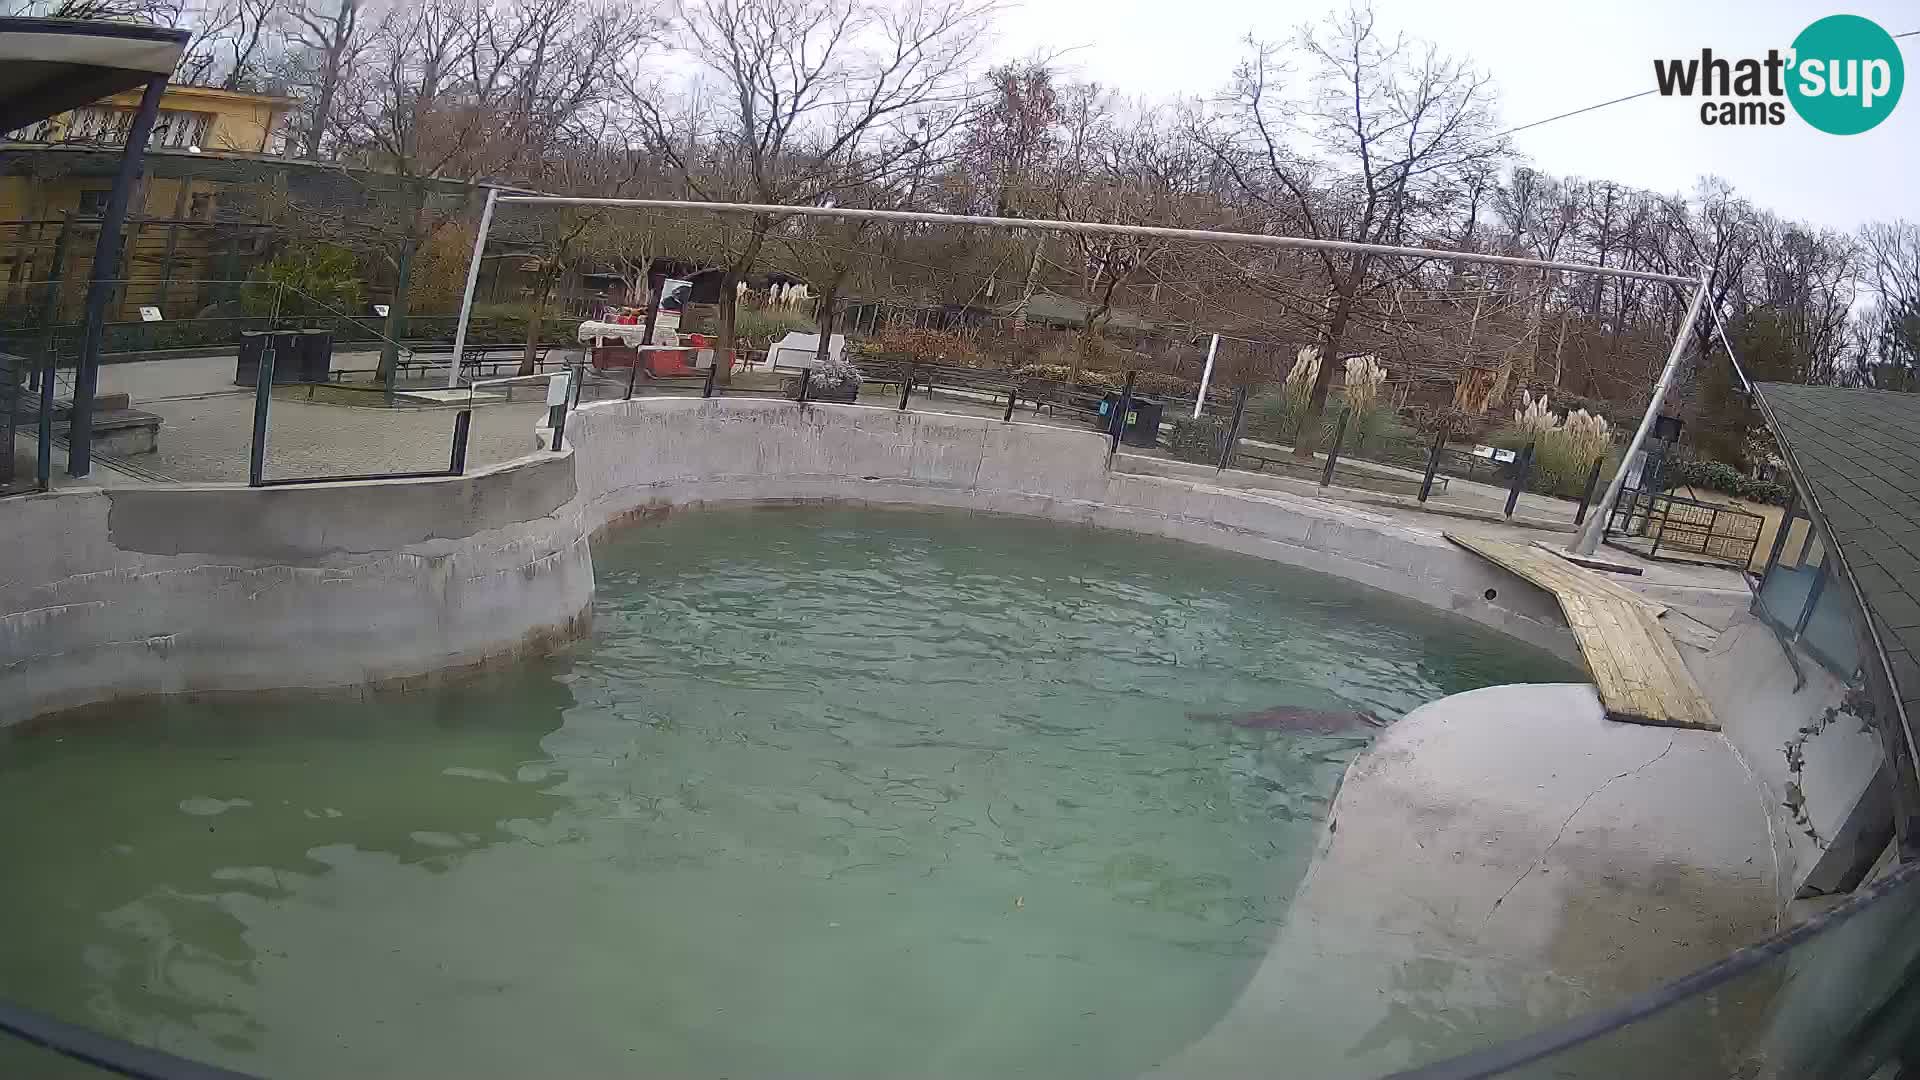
[(830, 792)]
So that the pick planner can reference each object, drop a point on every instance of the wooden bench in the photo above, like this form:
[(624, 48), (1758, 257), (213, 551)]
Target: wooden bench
[(478, 361)]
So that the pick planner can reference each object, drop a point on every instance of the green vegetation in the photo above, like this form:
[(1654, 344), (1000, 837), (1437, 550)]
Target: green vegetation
[(304, 281), (1724, 478), (1196, 440)]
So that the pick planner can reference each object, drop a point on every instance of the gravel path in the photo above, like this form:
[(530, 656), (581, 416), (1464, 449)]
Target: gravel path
[(207, 438)]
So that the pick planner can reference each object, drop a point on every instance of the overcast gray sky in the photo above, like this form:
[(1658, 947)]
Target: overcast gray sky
[(1549, 57)]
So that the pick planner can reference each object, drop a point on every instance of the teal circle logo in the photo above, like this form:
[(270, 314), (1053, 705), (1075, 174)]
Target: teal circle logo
[(1846, 75)]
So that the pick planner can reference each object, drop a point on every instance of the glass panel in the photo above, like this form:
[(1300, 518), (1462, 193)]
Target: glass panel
[(1804, 600), (1839, 1004), (1788, 586), (1830, 634)]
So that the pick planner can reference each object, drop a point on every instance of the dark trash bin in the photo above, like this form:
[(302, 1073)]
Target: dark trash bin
[(1143, 422), (286, 356), (1143, 418), (315, 357)]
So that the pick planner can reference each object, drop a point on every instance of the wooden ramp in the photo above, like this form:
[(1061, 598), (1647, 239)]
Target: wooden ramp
[(1639, 673)]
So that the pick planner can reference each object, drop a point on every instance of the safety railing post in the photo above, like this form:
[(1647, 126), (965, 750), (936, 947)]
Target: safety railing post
[(1117, 423), (1333, 451), (806, 380), (713, 370), (558, 390), (906, 385), (1586, 493), (633, 375), (1433, 463), (462, 421), (262, 399), (1233, 428), (1012, 391), (1521, 467)]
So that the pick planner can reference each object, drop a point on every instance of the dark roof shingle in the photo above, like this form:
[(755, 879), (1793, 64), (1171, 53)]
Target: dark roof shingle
[(1859, 451)]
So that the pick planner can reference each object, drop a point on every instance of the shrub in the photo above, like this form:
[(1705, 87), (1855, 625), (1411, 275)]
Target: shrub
[(763, 326), (1196, 440), (936, 346), (832, 374), (1090, 378), (1564, 449), (1724, 478), (305, 281)]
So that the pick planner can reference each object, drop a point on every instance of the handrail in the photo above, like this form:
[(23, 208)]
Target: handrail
[(143, 1063), (105, 1051), (1504, 1057)]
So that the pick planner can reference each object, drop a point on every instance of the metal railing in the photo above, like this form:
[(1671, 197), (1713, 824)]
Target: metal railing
[(1853, 1008), (1649, 523)]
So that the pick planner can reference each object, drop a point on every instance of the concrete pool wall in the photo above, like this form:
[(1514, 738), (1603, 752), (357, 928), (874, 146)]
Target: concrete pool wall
[(655, 454), (179, 589), (170, 589)]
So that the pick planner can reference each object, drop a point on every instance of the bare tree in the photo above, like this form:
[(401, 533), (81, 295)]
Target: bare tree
[(1890, 332), (806, 92), (233, 41), (327, 39), (1395, 126)]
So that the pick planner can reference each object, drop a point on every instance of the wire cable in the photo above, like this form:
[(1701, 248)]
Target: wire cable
[(1576, 112)]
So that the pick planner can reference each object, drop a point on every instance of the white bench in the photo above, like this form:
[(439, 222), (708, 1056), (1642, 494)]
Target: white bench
[(798, 350)]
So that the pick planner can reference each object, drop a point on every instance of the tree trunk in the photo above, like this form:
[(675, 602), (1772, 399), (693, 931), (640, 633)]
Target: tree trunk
[(1308, 438), (824, 317), (1089, 345), (397, 315), (317, 125), (729, 283), (723, 356), (534, 321), (1558, 344)]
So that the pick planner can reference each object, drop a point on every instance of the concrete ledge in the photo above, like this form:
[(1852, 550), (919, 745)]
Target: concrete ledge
[(172, 590), (213, 588)]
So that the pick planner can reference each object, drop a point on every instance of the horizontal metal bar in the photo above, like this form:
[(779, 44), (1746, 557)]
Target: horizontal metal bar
[(505, 379), (1095, 228), (104, 1051), (290, 481)]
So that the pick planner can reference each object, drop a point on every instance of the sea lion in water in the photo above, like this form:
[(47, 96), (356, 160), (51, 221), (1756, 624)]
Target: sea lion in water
[(1301, 719)]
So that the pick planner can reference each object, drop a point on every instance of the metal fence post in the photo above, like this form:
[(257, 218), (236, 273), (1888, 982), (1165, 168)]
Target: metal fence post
[(1118, 421), (713, 370), (1586, 493), (1233, 429), (462, 420), (1333, 451), (50, 305), (906, 385), (1011, 391), (558, 389), (806, 379), (1521, 467), (262, 399), (43, 468), (1433, 463), (633, 374)]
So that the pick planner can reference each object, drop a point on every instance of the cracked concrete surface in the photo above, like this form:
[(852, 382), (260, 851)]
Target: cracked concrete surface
[(1498, 861)]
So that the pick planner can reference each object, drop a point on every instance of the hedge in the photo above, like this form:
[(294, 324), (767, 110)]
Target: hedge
[(1724, 478)]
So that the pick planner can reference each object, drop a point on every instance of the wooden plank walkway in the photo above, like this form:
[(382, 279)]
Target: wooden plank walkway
[(1635, 666)]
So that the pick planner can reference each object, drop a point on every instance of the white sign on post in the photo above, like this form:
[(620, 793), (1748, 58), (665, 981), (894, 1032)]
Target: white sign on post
[(149, 314), (557, 390), (380, 310)]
